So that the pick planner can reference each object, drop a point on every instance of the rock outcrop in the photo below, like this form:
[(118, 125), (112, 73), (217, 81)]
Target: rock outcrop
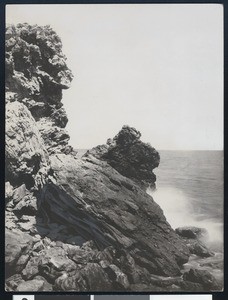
[(36, 74), (26, 156), (202, 277), (194, 238), (129, 156), (77, 224), (116, 212)]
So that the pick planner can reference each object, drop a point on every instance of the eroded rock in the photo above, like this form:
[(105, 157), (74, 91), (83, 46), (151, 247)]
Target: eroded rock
[(129, 156), (17, 246), (36, 74), (136, 223), (35, 285), (12, 282), (195, 237), (26, 157)]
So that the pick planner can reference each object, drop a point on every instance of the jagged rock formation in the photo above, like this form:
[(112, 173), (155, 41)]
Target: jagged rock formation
[(130, 156), (77, 224), (126, 216), (36, 74)]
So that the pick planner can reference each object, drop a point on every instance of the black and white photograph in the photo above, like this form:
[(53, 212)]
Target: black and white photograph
[(114, 148)]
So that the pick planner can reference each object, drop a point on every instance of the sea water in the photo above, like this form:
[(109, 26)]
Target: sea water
[(189, 189)]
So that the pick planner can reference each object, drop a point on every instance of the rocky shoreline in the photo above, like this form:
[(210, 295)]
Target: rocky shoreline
[(81, 224)]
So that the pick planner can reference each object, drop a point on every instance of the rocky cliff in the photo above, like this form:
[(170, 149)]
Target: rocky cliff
[(77, 224)]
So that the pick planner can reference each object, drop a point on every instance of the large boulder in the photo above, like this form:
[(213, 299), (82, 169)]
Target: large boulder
[(195, 238), (18, 246), (199, 249), (35, 285), (129, 156), (204, 278), (98, 202), (191, 232), (87, 278)]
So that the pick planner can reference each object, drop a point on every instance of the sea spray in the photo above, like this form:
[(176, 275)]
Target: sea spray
[(180, 211)]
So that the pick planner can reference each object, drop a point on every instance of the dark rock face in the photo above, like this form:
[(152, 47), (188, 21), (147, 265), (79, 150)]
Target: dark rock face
[(77, 224), (191, 232), (120, 213), (129, 156)]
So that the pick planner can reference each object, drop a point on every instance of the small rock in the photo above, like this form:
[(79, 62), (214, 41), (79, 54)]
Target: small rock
[(54, 262), (8, 191), (80, 256), (191, 232), (19, 193), (32, 267), (22, 261), (70, 283), (191, 286), (199, 249), (38, 246), (90, 278), (202, 277), (27, 205), (16, 244), (31, 285), (47, 286), (117, 276), (11, 97), (96, 278), (24, 226), (13, 282)]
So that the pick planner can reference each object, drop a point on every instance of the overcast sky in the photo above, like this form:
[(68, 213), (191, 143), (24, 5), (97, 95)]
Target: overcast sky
[(158, 68)]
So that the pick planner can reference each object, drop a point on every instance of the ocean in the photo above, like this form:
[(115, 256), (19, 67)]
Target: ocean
[(190, 190)]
